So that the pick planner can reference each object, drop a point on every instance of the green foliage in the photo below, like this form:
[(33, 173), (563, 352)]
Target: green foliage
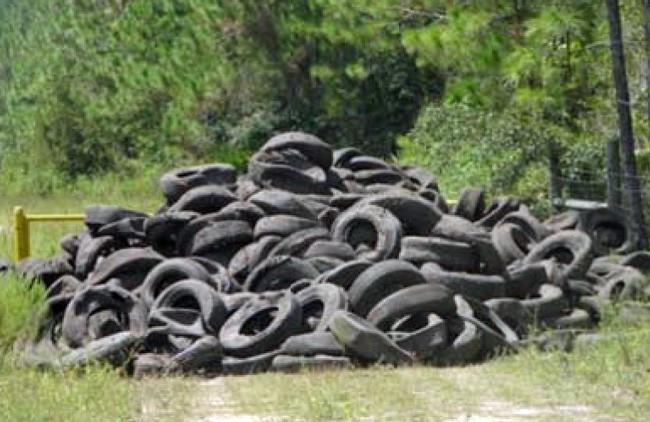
[(500, 152), (88, 88), (20, 302)]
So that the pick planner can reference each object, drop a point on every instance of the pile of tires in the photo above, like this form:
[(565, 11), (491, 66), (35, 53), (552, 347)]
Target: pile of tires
[(322, 258)]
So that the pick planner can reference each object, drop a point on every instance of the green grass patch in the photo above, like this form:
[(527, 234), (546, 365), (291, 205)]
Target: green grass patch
[(97, 394), (20, 303)]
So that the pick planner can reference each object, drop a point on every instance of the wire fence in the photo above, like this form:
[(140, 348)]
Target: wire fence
[(598, 186)]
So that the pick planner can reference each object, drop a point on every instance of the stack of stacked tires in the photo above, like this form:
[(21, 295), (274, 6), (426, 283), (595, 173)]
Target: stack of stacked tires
[(323, 258)]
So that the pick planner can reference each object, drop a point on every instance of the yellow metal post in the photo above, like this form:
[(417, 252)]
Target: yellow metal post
[(21, 234)]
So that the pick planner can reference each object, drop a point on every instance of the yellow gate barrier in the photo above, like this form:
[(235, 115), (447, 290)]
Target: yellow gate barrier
[(21, 224)]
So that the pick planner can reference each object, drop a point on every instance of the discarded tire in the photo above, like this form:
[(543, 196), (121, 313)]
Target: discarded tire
[(321, 258)]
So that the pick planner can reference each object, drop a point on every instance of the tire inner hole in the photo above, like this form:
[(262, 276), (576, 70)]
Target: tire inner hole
[(313, 312), (521, 239), (361, 233), (259, 322), (562, 254), (185, 302), (609, 234)]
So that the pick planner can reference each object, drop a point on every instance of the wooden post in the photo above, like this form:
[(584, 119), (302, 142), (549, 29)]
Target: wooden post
[(613, 174)]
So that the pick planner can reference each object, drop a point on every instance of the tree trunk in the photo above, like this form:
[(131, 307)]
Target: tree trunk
[(633, 190), (645, 6)]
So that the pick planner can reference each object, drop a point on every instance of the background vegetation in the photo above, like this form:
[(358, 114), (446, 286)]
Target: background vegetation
[(89, 88)]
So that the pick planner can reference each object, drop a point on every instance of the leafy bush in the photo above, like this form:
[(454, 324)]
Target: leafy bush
[(504, 153), (472, 147)]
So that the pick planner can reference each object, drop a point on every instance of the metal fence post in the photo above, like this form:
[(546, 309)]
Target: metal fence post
[(554, 171), (613, 174)]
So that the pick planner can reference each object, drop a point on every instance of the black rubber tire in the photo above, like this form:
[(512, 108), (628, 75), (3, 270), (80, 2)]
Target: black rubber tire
[(609, 230), (379, 281), (369, 225), (126, 230), (261, 325), (238, 210), (311, 344), (164, 322), (418, 216), (421, 176), (218, 236), (287, 170), (176, 182), (74, 327), (365, 162), (298, 242), (423, 298), (316, 150), (452, 255), (278, 273), (576, 319), (195, 294), (343, 155), (575, 243), (281, 225), (551, 302), (424, 341), (319, 302), (366, 342), (205, 354), (295, 364), (382, 176), (114, 349), (70, 243), (435, 198), (161, 231), (466, 344), (523, 280), (512, 312), (64, 285), (90, 250), (478, 286), (498, 209), (323, 264), (528, 223), (511, 242), (458, 229), (330, 248), (204, 199), (567, 220), (345, 274), (249, 257), (45, 270), (235, 301), (624, 284), (168, 272), (250, 365), (130, 266), (639, 260), (497, 335), (100, 215), (470, 205), (275, 201)]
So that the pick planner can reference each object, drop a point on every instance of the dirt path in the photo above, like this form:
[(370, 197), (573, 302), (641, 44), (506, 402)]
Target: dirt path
[(210, 402)]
